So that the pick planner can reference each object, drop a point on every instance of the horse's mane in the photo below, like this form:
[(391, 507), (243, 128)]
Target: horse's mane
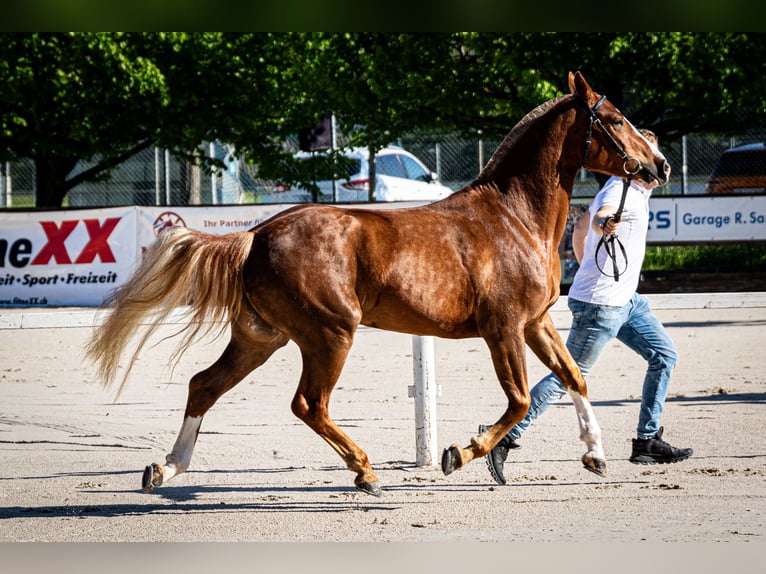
[(519, 130)]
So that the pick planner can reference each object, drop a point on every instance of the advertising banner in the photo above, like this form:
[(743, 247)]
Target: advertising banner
[(213, 220), (75, 258), (65, 258), (707, 218)]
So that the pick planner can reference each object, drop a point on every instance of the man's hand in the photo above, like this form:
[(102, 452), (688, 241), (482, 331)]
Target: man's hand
[(603, 222)]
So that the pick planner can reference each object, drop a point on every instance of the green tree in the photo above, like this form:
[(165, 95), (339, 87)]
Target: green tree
[(674, 82), (380, 85), (66, 97), (102, 97)]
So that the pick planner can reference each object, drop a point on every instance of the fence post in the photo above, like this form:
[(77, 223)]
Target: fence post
[(167, 178), (5, 197), (684, 167), (424, 390), (213, 177)]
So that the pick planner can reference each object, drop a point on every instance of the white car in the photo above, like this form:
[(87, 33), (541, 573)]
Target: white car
[(400, 177)]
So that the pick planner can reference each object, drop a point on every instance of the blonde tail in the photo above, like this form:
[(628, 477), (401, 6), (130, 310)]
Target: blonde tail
[(183, 268)]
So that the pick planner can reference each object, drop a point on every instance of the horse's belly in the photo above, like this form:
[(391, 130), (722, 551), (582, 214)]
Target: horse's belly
[(435, 315)]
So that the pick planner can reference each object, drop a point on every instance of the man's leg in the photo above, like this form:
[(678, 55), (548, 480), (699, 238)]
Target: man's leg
[(645, 334), (593, 326)]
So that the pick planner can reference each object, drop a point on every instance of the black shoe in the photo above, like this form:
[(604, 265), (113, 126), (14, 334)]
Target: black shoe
[(656, 451), (496, 457)]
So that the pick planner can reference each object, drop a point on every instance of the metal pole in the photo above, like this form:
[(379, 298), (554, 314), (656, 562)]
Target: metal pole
[(424, 391), (7, 199), (167, 177), (213, 191), (684, 167), (438, 151), (157, 188), (333, 145)]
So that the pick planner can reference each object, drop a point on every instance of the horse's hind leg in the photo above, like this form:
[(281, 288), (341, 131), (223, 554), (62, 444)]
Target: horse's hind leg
[(545, 342), (248, 349), (322, 365)]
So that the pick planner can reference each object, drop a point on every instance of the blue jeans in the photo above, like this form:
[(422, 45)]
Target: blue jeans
[(593, 327)]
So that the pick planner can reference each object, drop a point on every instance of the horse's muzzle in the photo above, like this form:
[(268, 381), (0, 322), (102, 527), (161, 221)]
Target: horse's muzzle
[(665, 172), (659, 172)]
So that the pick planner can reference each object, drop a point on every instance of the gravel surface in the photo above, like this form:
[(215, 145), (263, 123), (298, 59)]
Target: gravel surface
[(71, 456)]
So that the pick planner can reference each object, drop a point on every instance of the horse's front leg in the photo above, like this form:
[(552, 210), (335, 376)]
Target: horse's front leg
[(545, 341), (509, 359)]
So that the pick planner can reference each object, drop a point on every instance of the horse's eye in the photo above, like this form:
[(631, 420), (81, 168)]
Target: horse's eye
[(618, 124)]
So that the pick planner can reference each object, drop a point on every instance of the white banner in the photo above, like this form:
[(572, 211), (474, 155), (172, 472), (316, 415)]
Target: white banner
[(214, 220), (66, 257), (707, 218), (74, 258)]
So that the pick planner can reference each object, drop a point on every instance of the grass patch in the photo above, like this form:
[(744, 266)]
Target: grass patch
[(706, 258)]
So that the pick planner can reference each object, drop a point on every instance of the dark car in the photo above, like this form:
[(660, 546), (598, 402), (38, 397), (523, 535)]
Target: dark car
[(741, 169)]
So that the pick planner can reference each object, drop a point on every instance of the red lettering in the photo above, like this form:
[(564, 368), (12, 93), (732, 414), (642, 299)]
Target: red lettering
[(55, 247), (98, 245)]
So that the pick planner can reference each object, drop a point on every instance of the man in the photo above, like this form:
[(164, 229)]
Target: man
[(605, 307)]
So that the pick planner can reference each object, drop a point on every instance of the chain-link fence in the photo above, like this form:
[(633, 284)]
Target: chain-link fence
[(153, 177)]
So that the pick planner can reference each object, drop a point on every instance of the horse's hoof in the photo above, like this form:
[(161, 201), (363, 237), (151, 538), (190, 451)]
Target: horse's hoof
[(152, 477), (372, 488), (595, 465), (451, 460)]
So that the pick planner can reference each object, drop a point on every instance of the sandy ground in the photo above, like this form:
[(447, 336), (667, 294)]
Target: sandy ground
[(71, 457)]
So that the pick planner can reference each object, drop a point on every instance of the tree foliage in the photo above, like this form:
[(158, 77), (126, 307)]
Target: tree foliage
[(66, 97), (101, 97)]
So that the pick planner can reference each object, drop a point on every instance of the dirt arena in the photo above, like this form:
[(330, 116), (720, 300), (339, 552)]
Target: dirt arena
[(71, 456)]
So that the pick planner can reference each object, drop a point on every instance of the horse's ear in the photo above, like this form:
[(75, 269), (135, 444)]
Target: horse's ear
[(579, 86)]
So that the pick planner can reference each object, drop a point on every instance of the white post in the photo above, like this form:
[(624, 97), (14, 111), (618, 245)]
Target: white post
[(7, 196), (157, 188), (424, 392), (167, 177), (684, 167), (213, 190), (333, 145)]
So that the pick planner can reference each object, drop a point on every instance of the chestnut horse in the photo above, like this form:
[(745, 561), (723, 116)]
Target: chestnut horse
[(481, 263)]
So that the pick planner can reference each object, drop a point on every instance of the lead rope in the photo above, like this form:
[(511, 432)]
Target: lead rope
[(608, 242)]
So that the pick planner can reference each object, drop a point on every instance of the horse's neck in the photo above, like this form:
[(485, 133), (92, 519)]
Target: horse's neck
[(536, 184)]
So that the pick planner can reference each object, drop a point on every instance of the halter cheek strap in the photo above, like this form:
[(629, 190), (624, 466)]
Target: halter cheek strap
[(595, 120), (608, 242)]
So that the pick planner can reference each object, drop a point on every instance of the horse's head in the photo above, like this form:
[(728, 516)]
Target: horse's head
[(614, 146)]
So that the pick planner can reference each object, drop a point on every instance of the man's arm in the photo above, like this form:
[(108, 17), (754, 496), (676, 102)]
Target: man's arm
[(579, 235), (580, 230), (602, 223)]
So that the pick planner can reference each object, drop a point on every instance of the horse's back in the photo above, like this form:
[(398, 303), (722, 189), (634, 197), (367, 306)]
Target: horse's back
[(421, 270)]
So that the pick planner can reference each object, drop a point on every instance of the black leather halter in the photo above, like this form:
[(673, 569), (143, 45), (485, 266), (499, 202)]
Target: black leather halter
[(612, 242)]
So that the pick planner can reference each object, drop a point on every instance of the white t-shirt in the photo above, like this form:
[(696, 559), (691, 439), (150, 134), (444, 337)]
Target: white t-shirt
[(590, 284)]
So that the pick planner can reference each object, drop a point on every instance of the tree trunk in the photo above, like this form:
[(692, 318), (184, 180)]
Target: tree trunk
[(191, 182), (50, 181), (373, 173)]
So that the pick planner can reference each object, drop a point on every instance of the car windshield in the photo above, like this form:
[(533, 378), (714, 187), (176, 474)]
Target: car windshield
[(414, 169), (390, 165), (398, 165)]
